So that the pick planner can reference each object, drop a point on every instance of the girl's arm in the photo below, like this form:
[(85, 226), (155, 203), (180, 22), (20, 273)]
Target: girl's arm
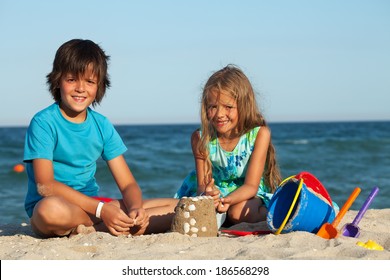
[(255, 168), (199, 162), (209, 188), (199, 165)]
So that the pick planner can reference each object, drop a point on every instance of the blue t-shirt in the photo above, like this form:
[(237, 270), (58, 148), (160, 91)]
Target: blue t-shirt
[(73, 148)]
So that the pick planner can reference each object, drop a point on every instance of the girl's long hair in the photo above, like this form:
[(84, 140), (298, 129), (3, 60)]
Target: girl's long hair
[(231, 79)]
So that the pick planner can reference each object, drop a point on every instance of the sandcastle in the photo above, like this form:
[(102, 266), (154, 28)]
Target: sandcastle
[(196, 217)]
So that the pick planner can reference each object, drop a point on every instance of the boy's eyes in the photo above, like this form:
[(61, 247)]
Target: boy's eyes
[(72, 79)]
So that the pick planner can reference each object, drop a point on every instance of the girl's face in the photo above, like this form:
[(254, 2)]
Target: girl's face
[(222, 113), (77, 94)]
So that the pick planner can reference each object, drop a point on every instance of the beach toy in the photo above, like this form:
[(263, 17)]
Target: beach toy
[(18, 168), (314, 184), (244, 233), (329, 231), (352, 229), (299, 204), (371, 245)]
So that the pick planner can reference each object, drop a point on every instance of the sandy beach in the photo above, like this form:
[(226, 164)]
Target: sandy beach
[(17, 242)]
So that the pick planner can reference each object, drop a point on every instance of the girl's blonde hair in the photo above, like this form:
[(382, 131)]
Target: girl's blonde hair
[(232, 80)]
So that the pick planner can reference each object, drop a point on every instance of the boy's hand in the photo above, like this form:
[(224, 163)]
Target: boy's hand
[(140, 221), (116, 220)]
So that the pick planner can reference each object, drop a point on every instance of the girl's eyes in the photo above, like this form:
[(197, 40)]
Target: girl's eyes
[(226, 107)]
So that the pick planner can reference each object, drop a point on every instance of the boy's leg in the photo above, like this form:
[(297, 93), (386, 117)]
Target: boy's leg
[(54, 216)]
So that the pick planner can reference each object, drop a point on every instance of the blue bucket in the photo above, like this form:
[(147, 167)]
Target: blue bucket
[(297, 207)]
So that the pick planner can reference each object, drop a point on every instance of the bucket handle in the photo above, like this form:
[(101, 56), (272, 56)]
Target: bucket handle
[(292, 204)]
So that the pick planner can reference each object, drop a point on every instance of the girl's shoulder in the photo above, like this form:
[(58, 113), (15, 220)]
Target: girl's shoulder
[(252, 133), (261, 131)]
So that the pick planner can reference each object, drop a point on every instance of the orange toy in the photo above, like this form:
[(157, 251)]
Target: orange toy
[(329, 231)]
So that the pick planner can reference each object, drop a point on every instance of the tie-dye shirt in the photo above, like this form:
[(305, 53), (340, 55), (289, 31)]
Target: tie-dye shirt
[(229, 168)]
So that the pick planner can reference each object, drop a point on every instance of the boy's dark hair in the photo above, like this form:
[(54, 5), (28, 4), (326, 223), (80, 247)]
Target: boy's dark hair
[(74, 57)]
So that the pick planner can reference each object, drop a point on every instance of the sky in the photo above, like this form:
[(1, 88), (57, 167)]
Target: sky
[(307, 60)]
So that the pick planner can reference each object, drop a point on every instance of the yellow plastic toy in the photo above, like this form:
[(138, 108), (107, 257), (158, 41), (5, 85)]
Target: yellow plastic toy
[(371, 245)]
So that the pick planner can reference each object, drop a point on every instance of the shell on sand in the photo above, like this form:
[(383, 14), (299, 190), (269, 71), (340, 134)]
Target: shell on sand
[(195, 216)]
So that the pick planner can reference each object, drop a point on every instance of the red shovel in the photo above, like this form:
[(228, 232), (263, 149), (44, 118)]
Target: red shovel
[(329, 231), (244, 233)]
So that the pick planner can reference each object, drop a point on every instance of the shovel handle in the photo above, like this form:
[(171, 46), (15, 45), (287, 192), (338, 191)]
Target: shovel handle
[(346, 206), (365, 206)]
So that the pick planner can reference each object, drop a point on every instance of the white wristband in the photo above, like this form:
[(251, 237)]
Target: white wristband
[(99, 209)]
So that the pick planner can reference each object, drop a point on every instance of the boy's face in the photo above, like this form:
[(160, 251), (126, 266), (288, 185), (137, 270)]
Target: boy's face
[(77, 94)]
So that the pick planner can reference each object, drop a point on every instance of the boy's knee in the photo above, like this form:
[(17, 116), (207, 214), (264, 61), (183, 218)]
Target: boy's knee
[(49, 210)]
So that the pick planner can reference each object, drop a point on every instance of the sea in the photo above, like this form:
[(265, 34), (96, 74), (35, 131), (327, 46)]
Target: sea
[(342, 155)]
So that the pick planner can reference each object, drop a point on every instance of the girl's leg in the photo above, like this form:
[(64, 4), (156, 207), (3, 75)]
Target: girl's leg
[(250, 211), (54, 216), (161, 212)]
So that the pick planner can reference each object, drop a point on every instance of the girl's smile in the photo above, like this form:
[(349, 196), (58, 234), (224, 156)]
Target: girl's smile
[(222, 113)]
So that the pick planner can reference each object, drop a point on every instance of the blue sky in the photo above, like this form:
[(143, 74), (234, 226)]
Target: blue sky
[(308, 60)]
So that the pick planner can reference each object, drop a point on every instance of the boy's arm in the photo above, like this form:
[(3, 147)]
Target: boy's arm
[(115, 219), (48, 186), (130, 190)]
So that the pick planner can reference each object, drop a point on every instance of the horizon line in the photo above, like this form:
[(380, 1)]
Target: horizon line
[(197, 123)]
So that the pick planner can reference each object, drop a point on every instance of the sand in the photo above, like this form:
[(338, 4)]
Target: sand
[(17, 242)]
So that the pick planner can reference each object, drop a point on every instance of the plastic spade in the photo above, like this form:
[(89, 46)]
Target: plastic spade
[(244, 233), (329, 231), (351, 229)]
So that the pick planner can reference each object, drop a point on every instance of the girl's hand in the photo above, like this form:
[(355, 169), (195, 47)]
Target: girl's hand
[(116, 220), (140, 221), (213, 191), (223, 204)]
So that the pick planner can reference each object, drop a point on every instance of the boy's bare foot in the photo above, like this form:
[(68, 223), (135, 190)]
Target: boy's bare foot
[(82, 229)]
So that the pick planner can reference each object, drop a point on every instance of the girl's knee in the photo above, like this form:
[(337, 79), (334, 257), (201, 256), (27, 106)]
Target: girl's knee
[(251, 211), (235, 215)]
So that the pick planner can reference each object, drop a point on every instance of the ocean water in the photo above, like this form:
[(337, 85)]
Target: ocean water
[(342, 155)]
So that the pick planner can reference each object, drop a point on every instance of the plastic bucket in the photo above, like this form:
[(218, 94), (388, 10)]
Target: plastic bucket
[(295, 206)]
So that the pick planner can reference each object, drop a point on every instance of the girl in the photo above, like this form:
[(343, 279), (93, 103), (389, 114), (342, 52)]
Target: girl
[(234, 157), (63, 143)]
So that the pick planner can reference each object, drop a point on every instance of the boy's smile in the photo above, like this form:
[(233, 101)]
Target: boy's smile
[(77, 94)]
